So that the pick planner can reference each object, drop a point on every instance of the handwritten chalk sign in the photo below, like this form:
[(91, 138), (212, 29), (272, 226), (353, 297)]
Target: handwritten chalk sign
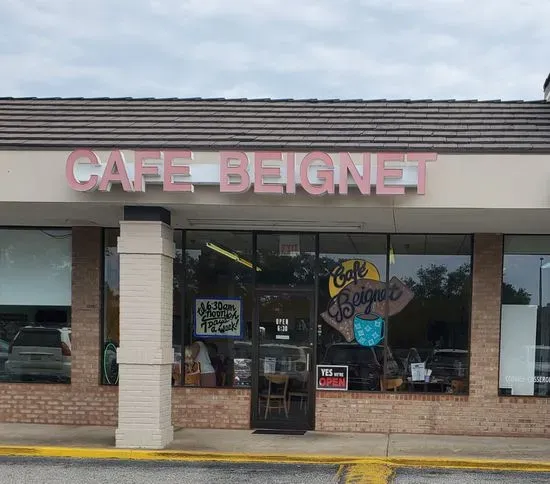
[(218, 318)]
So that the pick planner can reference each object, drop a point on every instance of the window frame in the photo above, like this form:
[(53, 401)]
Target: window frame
[(43, 228), (502, 261), (316, 267)]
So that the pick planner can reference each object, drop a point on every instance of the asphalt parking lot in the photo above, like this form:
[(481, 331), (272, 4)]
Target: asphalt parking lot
[(29, 470), (454, 476), (72, 471)]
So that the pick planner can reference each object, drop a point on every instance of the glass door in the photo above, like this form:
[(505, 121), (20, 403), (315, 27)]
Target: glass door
[(283, 396)]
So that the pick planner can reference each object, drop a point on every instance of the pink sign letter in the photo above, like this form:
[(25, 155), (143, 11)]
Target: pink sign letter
[(347, 167), (228, 169), (325, 174), (89, 185), (261, 172), (421, 158), (115, 171), (141, 169), (290, 173), (382, 173), (170, 185)]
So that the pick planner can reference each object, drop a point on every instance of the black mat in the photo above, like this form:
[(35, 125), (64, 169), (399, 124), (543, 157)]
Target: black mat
[(279, 432)]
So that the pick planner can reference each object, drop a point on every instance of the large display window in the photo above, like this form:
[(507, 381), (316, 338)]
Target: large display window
[(35, 305), (394, 310), (217, 323), (352, 269), (525, 317), (428, 326)]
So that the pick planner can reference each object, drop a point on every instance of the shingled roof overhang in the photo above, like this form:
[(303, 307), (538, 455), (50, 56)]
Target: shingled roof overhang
[(267, 124)]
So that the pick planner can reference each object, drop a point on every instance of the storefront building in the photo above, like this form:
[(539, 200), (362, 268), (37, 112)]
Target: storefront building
[(363, 266)]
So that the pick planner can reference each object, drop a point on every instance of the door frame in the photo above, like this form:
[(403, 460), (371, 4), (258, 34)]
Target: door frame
[(255, 421)]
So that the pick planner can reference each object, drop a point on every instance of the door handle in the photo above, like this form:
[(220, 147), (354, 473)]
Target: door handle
[(307, 361)]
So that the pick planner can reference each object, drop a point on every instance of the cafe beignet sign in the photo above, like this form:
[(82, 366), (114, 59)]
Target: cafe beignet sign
[(359, 300), (275, 172)]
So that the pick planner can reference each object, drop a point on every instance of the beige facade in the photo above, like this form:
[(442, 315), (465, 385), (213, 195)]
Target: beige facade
[(479, 194), (499, 193)]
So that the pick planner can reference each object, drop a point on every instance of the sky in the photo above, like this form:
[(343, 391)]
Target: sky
[(346, 49)]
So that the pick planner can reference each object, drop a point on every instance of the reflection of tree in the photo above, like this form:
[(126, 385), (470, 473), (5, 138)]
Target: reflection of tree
[(208, 268), (289, 271), (439, 312), (112, 320), (436, 282), (511, 295)]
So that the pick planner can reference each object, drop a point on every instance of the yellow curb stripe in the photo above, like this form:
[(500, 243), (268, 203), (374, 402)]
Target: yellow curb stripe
[(340, 473), (368, 474), (192, 456)]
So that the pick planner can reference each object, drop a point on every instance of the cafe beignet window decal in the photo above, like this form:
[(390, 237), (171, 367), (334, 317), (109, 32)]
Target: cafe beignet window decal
[(218, 318), (358, 301)]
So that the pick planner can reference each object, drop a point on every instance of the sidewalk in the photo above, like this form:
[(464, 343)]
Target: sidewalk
[(243, 445)]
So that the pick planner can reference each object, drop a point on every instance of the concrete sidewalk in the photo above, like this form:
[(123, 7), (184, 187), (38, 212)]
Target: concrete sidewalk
[(312, 443)]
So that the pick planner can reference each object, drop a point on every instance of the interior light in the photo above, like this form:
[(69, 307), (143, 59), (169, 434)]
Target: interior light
[(231, 255), (392, 255)]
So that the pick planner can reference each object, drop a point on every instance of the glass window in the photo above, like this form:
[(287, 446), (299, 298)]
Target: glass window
[(111, 275), (429, 313), (218, 308), (35, 303), (109, 367), (286, 260), (525, 317), (352, 280)]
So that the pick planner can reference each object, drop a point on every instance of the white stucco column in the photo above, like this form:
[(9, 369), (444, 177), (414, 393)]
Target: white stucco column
[(145, 356)]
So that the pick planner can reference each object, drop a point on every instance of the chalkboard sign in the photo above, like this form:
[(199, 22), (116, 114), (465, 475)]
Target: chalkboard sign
[(218, 318)]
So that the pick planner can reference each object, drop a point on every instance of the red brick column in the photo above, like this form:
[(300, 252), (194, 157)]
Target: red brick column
[(86, 305), (485, 322)]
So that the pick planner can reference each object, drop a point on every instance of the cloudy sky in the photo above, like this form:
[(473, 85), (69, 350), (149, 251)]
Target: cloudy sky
[(464, 49)]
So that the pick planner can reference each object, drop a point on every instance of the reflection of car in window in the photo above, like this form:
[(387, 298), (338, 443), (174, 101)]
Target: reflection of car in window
[(4, 348), (448, 364), (288, 359), (541, 355), (365, 364), (39, 352)]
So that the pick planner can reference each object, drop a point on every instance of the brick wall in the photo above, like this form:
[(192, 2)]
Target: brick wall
[(211, 408), (145, 355), (84, 401), (482, 412)]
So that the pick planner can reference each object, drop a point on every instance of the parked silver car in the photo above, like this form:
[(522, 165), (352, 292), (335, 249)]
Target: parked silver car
[(4, 348), (40, 353)]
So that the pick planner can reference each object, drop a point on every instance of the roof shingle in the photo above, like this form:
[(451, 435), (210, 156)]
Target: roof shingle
[(353, 125)]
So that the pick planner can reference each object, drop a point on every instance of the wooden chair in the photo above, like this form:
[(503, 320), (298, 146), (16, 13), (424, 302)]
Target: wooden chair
[(193, 374), (301, 393), (387, 384), (458, 386), (275, 399)]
